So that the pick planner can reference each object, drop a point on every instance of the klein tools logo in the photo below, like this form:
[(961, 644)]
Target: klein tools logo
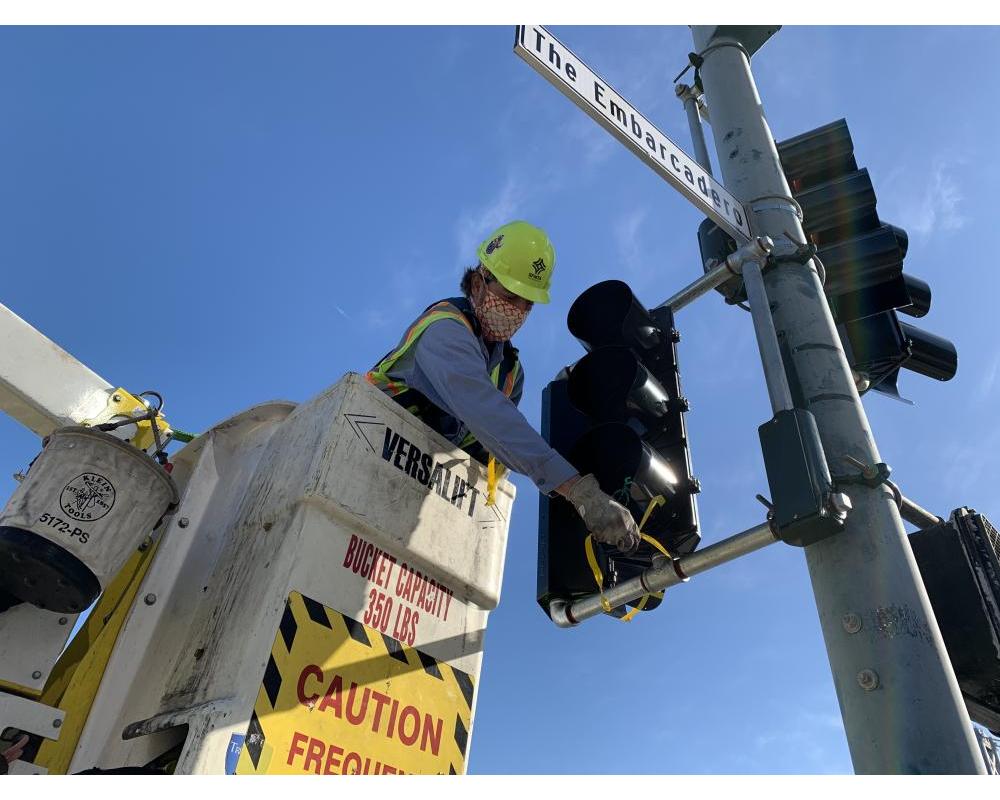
[(87, 497), (537, 268), (495, 244)]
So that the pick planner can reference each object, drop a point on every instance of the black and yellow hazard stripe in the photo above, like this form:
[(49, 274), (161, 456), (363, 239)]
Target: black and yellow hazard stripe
[(305, 624)]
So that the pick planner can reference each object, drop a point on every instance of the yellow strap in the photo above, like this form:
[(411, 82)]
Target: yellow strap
[(588, 545), (641, 606), (656, 501), (494, 473), (491, 482)]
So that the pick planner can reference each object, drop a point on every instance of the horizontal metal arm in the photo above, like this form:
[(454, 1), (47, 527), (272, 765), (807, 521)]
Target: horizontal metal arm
[(660, 577), (716, 276), (911, 512), (917, 515), (755, 250)]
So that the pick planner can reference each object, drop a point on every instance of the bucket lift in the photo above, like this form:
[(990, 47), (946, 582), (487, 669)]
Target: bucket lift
[(316, 603)]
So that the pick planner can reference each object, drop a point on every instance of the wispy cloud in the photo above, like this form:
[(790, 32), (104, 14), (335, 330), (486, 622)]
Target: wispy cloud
[(475, 222), (971, 466), (590, 140), (375, 318), (988, 382), (626, 233), (940, 207), (808, 734), (404, 289), (931, 204)]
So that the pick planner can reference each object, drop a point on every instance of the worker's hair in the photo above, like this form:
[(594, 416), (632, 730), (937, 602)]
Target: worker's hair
[(466, 283)]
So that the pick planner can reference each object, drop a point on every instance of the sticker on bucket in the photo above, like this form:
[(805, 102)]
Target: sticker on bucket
[(233, 752), (87, 497), (339, 698)]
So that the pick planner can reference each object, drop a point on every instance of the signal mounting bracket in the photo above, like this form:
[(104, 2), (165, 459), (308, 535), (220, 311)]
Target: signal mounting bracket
[(871, 475)]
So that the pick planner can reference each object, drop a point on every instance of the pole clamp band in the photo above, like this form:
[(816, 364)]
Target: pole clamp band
[(776, 206), (725, 43)]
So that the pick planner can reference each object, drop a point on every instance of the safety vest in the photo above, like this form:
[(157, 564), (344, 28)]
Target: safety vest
[(503, 376)]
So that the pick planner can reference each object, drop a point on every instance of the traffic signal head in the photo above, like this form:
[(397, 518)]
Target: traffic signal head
[(863, 260), (618, 414), (862, 257), (877, 346), (627, 350), (611, 383), (959, 563)]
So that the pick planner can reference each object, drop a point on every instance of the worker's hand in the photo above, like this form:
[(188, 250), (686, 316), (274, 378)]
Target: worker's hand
[(608, 521)]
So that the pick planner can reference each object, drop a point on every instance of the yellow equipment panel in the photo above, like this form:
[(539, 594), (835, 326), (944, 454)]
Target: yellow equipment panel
[(341, 698)]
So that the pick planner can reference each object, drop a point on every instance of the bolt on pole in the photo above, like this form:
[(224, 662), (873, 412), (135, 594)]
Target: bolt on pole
[(901, 705)]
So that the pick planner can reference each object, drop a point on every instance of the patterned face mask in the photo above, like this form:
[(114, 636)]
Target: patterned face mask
[(499, 318)]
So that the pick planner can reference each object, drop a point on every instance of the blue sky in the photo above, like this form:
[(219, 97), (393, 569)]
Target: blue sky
[(237, 215)]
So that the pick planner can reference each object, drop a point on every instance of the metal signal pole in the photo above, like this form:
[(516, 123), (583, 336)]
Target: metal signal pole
[(901, 705)]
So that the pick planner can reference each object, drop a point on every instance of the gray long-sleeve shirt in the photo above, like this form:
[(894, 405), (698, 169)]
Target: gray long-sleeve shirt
[(451, 367)]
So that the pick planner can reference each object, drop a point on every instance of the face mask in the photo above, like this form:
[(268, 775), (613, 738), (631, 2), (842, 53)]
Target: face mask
[(499, 318)]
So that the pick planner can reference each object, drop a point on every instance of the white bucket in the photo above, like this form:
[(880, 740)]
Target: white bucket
[(87, 502)]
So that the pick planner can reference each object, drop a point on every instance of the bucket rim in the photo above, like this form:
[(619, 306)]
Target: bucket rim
[(132, 452)]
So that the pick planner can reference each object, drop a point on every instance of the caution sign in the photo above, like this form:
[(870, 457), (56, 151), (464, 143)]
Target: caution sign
[(340, 698)]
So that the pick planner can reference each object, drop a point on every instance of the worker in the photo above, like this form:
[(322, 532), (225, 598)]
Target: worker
[(456, 369)]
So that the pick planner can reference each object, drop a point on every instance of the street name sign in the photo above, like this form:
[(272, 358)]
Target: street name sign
[(561, 67)]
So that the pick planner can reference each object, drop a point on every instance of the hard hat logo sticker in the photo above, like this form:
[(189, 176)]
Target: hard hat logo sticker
[(87, 497), (537, 267), (494, 245)]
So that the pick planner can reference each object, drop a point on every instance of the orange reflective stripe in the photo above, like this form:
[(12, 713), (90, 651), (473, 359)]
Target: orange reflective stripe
[(432, 316), (379, 375), (508, 386)]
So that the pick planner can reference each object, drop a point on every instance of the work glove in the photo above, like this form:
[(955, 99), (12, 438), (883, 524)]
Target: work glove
[(608, 521)]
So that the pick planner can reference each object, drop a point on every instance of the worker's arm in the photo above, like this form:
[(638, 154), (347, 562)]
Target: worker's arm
[(515, 398), (451, 373)]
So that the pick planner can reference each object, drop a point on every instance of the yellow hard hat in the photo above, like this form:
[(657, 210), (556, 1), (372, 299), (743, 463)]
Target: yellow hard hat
[(522, 259)]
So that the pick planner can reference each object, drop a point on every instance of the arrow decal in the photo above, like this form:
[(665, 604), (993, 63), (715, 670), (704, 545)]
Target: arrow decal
[(357, 423)]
